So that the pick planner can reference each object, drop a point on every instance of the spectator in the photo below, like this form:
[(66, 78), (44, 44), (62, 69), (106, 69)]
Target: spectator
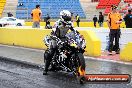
[(9, 14), (128, 19), (48, 22), (129, 7), (114, 20), (36, 15), (101, 19), (72, 17), (95, 19), (77, 19)]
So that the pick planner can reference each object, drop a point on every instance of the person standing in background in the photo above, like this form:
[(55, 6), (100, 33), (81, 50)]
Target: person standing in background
[(9, 14), (72, 17), (47, 20), (129, 7), (101, 19), (95, 19), (36, 15), (114, 20), (77, 19), (128, 19)]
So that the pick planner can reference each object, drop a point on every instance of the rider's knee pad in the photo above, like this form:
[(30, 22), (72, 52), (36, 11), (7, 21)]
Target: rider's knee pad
[(47, 55), (52, 51)]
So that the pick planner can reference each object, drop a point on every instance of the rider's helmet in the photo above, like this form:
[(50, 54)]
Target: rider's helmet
[(65, 15)]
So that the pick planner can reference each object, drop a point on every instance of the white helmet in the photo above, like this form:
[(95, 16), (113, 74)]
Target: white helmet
[(65, 15)]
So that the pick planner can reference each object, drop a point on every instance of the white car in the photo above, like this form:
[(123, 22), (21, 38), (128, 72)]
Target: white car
[(5, 21)]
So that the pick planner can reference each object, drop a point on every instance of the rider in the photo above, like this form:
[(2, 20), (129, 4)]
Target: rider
[(60, 29)]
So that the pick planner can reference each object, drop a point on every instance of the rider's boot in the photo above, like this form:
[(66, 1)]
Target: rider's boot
[(53, 61), (49, 55), (47, 63), (47, 60)]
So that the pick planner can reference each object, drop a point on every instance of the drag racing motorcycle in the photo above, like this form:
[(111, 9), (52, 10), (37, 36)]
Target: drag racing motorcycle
[(68, 56)]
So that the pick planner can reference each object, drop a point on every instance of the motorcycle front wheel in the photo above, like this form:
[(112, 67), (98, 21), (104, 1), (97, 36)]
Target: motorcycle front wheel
[(81, 68), (81, 61)]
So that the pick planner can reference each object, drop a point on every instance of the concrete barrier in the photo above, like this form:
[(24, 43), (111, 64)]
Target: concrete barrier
[(93, 47), (25, 38), (34, 39), (126, 53)]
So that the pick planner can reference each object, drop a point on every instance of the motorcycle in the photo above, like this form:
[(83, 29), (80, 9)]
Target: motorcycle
[(68, 56)]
